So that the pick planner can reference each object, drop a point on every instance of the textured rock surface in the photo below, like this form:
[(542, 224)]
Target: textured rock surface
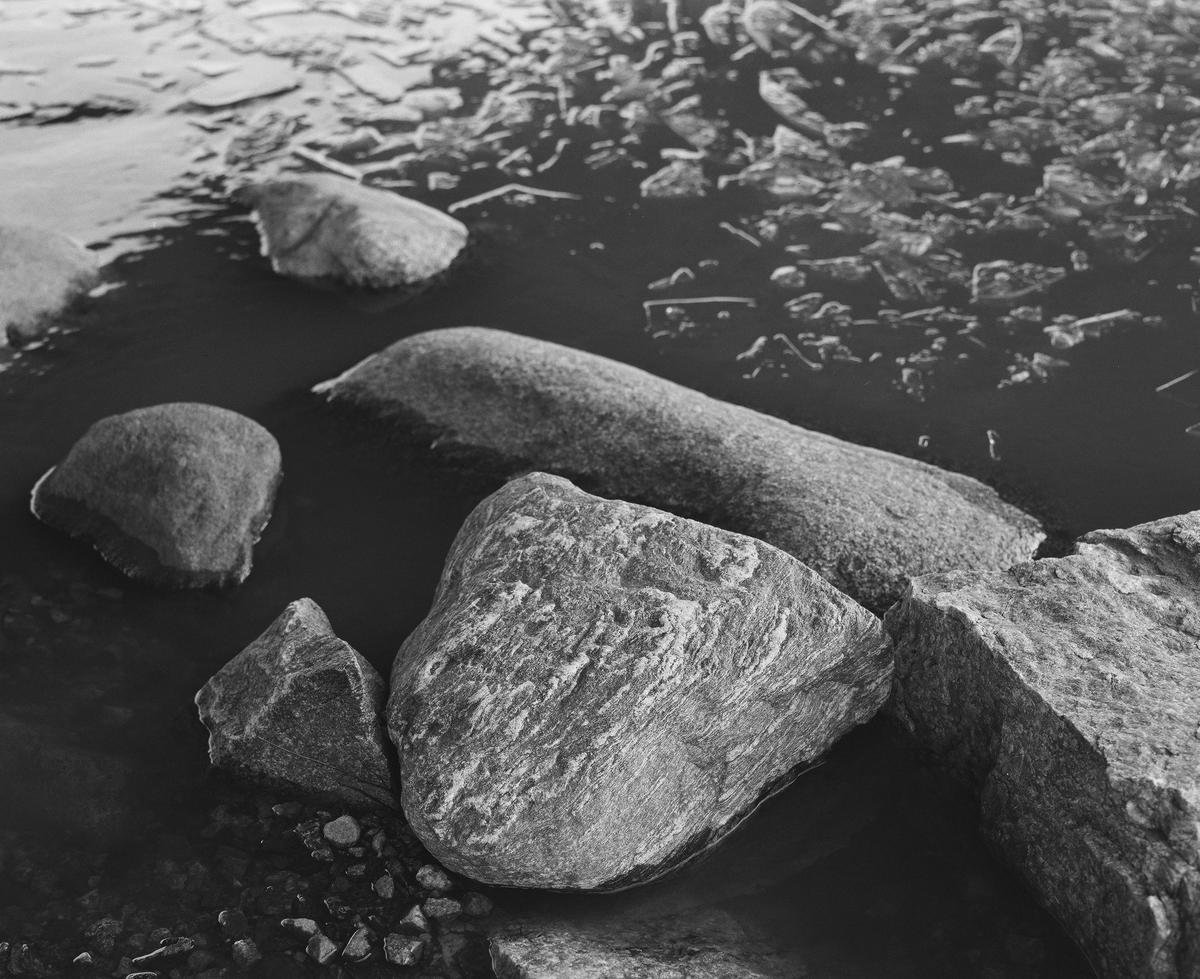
[(41, 273), (864, 519), (1068, 692), (324, 226), (702, 945), (299, 706), (176, 494), (602, 690)]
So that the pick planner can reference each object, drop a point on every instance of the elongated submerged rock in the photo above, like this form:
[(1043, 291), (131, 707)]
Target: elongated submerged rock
[(175, 494), (300, 707), (602, 690), (41, 274), (1068, 693), (327, 227), (864, 519)]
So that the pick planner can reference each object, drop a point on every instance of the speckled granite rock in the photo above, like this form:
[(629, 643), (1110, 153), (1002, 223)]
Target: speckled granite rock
[(864, 519), (299, 706), (175, 494), (702, 945), (602, 690), (41, 273), (1068, 693), (323, 226)]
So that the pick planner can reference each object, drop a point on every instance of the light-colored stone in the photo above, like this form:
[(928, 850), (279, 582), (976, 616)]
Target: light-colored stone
[(626, 686), (327, 227), (864, 519), (1067, 692), (41, 274), (176, 494), (299, 706)]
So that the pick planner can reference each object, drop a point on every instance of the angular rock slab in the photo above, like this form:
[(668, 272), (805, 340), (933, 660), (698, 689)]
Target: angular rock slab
[(328, 227), (703, 945), (602, 690), (1068, 692), (865, 520), (175, 494), (299, 707), (41, 274)]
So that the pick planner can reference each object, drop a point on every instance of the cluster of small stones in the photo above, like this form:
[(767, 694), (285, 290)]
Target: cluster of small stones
[(278, 883)]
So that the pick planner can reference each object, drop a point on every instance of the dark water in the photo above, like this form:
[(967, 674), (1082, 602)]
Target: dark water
[(869, 866)]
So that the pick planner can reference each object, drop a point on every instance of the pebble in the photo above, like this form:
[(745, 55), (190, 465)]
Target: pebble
[(320, 949), (142, 975), (442, 908), (233, 923), (302, 926), (245, 953), (434, 879), (83, 958), (415, 920), (385, 887), (358, 948), (343, 831), (403, 950)]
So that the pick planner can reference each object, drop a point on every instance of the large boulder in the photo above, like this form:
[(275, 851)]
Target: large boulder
[(327, 227), (175, 494), (602, 690), (1068, 693), (41, 274), (707, 944), (299, 707), (864, 519)]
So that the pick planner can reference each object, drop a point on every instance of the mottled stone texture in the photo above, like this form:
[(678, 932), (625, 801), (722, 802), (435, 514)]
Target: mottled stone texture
[(866, 520), (700, 945), (1068, 692), (41, 273), (176, 494), (300, 707), (322, 226), (601, 690)]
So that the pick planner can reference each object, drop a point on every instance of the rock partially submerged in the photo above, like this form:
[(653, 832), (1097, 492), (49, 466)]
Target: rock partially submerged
[(329, 227), (602, 690), (41, 274), (701, 945), (175, 494), (864, 519), (300, 707), (1068, 693)]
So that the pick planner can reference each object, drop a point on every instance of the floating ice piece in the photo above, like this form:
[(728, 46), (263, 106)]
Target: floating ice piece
[(1005, 283), (243, 85)]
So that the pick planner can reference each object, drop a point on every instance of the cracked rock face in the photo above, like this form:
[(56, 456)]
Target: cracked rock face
[(41, 273), (327, 227), (865, 520), (175, 494), (300, 707), (602, 690), (1068, 693)]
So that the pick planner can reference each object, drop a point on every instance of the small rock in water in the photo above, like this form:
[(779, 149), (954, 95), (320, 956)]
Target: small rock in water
[(343, 831), (233, 922), (320, 949), (415, 921), (403, 950), (434, 879), (41, 274), (651, 677), (385, 887), (358, 947), (325, 226), (305, 927), (176, 494), (300, 707), (245, 953), (477, 905), (442, 909)]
